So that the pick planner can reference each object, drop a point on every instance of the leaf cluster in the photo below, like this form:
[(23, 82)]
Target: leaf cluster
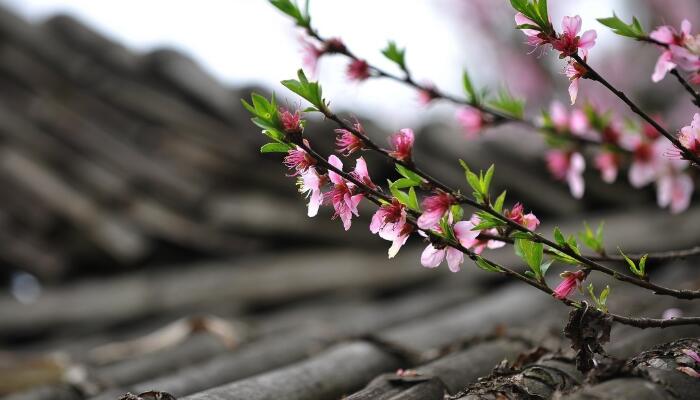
[(311, 91), (266, 116), (301, 17), (618, 26)]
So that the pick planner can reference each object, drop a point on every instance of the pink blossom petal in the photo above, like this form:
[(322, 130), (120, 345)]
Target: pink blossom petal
[(578, 123), (641, 174), (335, 161), (573, 90), (521, 19), (377, 221), (587, 40), (663, 65), (454, 259), (427, 220), (361, 169), (686, 27), (465, 234), (432, 257), (571, 25), (559, 116), (663, 34), (396, 245)]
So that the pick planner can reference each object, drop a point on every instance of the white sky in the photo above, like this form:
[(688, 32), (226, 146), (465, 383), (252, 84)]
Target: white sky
[(248, 41)]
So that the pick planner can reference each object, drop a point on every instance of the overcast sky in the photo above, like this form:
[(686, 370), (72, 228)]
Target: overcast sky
[(248, 41)]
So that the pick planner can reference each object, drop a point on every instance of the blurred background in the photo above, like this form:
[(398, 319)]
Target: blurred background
[(133, 194)]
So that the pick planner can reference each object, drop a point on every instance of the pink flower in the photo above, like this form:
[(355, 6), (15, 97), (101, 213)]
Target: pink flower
[(310, 183), (568, 166), (516, 215), (690, 136), (347, 142), (646, 159), (534, 37), (390, 223), (568, 284), (574, 71), (362, 174), (674, 54), (471, 120), (608, 163), (569, 43), (434, 208), (674, 190), (311, 53), (575, 122), (341, 195), (479, 244), (427, 94), (298, 160), (402, 144), (291, 122), (358, 70), (433, 256)]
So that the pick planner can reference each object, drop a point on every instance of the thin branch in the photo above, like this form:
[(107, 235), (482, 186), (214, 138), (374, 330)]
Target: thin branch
[(656, 289), (686, 85), (593, 75), (653, 256), (497, 115), (374, 195)]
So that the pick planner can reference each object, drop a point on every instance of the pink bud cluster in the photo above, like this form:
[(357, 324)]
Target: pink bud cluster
[(652, 159), (357, 70), (567, 43), (681, 50)]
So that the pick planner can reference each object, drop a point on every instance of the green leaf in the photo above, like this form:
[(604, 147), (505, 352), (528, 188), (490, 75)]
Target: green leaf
[(291, 9), (457, 212), (400, 195), (395, 54), (545, 266), (643, 264), (498, 204), (542, 11), (559, 237), (408, 174), (487, 221), (275, 148), (593, 241), (486, 182), (618, 26), (508, 104), (603, 298), (600, 301), (412, 202), (532, 254), (639, 271), (472, 95), (573, 245), (404, 183), (521, 235), (311, 91), (486, 265)]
